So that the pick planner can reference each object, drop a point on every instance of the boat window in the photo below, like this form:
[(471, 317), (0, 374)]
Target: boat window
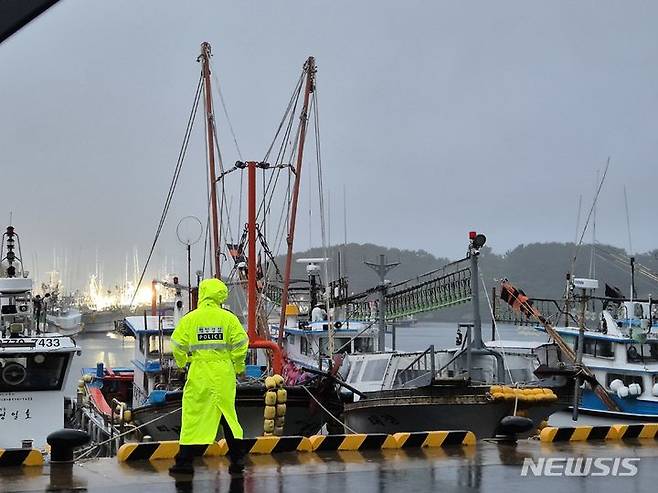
[(344, 343), (356, 368), (639, 312), (364, 345), (605, 349), (520, 375), (21, 372), (597, 347), (650, 351), (589, 347), (627, 379), (374, 370), (154, 345), (303, 345), (642, 353)]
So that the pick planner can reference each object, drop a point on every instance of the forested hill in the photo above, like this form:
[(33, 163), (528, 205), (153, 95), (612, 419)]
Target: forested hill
[(538, 268)]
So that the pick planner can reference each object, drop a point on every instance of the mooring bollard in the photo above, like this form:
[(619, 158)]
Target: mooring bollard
[(64, 442), (511, 426)]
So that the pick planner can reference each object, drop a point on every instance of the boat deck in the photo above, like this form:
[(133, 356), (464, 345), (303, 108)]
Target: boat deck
[(488, 466)]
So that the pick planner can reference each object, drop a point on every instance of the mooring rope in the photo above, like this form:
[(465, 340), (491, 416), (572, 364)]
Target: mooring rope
[(132, 430)]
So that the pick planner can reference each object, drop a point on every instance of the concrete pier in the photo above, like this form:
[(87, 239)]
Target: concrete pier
[(487, 466)]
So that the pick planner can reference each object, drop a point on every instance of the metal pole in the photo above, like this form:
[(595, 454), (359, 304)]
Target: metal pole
[(493, 317), (381, 315), (309, 67), (251, 252), (633, 292), (381, 269), (475, 299), (210, 126), (189, 278), (469, 361), (579, 356)]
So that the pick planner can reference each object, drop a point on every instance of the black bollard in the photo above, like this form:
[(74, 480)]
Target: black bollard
[(513, 425), (64, 442)]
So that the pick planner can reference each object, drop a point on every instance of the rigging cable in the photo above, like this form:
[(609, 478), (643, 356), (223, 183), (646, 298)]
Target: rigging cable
[(174, 181)]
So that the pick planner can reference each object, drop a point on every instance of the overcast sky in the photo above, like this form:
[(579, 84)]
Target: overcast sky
[(437, 118)]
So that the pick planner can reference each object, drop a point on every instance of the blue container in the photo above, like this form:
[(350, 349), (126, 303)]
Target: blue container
[(254, 371), (157, 397), (100, 370)]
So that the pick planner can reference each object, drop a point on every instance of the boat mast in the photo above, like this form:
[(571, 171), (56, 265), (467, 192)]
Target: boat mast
[(256, 341), (309, 68), (210, 126)]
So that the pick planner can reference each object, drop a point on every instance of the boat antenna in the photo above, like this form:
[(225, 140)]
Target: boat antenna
[(344, 231), (592, 261), (309, 70), (630, 245)]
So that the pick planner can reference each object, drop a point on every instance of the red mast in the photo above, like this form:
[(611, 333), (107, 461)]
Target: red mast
[(255, 341), (210, 125), (251, 250), (309, 68)]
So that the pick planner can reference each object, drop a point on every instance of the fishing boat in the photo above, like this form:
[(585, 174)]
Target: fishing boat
[(34, 362), (146, 398), (495, 388), (149, 392), (619, 343), (67, 319)]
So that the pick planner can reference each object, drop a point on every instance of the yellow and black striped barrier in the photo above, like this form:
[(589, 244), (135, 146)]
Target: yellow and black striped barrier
[(20, 457), (317, 443), (129, 452), (356, 441), (578, 433), (274, 444), (434, 439), (629, 432)]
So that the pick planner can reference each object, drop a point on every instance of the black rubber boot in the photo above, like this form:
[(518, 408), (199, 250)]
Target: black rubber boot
[(236, 451), (184, 461), (236, 455)]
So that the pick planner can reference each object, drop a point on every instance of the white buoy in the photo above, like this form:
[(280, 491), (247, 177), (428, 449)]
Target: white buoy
[(622, 392), (616, 384), (654, 390), (634, 389)]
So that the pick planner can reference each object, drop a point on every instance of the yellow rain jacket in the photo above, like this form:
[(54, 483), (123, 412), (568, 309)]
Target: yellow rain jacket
[(214, 342)]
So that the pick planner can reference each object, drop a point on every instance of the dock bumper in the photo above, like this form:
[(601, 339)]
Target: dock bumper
[(638, 431), (11, 457), (434, 439), (130, 452)]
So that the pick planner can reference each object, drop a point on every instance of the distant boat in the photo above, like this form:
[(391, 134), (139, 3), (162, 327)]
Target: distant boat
[(68, 320)]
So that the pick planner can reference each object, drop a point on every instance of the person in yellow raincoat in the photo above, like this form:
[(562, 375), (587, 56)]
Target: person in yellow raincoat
[(212, 341)]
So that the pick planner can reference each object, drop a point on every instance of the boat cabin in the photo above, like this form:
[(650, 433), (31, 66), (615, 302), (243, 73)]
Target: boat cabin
[(307, 343), (153, 361), (387, 371), (33, 370)]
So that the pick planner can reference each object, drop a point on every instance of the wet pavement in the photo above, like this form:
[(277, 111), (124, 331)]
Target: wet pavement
[(485, 467)]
